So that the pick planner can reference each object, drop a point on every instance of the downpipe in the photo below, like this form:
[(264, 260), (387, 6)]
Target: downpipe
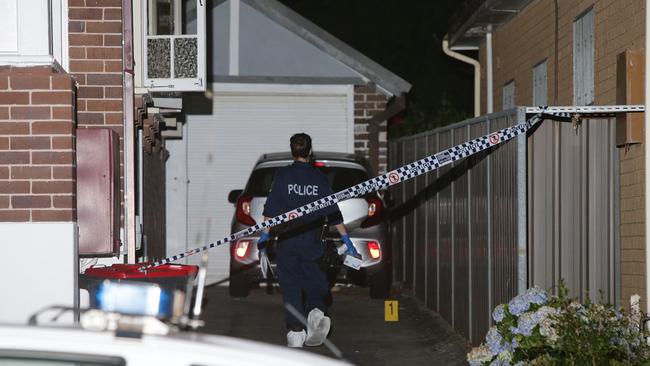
[(477, 73), (646, 152), (129, 146)]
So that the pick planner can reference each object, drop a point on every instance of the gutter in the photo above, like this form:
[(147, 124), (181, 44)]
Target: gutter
[(129, 147), (477, 73)]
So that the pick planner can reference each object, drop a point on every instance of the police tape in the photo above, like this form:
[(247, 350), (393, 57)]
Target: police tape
[(416, 168)]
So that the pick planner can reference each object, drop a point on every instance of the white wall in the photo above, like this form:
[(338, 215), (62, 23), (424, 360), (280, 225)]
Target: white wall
[(39, 268)]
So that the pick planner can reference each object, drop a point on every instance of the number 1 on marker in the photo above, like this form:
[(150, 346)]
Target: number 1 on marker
[(391, 311)]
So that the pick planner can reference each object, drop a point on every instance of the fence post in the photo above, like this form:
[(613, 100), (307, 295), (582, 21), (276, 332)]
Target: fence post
[(522, 207)]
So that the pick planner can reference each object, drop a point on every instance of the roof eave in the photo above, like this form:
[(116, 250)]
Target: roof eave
[(470, 32), (332, 46)]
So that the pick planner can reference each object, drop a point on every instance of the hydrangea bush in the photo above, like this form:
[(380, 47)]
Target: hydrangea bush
[(537, 329)]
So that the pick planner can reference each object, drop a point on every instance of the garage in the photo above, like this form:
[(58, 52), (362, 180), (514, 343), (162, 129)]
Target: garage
[(219, 149)]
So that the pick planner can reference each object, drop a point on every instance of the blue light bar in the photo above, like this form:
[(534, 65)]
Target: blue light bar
[(134, 298)]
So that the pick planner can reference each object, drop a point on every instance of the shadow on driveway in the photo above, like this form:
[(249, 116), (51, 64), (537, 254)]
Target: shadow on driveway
[(420, 337)]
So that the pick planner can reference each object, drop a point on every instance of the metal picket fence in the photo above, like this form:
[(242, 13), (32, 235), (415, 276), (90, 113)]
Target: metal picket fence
[(463, 236)]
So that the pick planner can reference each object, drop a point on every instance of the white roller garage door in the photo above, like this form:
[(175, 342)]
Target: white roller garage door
[(223, 147)]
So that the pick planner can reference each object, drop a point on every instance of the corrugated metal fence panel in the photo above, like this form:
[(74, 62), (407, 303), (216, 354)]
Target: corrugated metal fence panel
[(420, 223), (571, 190), (432, 229), (541, 197), (396, 158), (600, 229), (461, 239), (465, 222), (462, 260), (580, 245), (504, 216), (409, 225), (445, 225), (480, 307)]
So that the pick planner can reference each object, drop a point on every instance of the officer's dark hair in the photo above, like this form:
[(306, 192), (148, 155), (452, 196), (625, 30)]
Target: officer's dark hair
[(300, 145)]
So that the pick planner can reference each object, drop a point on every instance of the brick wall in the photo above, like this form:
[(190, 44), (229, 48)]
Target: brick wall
[(529, 39), (95, 37), (367, 103), (37, 138), (632, 223)]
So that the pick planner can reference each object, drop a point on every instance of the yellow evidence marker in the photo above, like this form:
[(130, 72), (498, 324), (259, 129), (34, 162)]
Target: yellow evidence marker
[(391, 311)]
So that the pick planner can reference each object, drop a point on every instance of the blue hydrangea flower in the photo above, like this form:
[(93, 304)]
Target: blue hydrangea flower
[(498, 362), (526, 323), (499, 313), (536, 295), (494, 341), (518, 305), (514, 344)]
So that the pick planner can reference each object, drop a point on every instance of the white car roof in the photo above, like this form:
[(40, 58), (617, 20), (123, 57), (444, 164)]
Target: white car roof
[(186, 348)]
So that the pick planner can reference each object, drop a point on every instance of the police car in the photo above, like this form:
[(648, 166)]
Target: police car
[(364, 219), (135, 324)]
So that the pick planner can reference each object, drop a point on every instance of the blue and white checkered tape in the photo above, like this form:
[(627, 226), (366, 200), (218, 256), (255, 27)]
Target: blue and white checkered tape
[(414, 169)]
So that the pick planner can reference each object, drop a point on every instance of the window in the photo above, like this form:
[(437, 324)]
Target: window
[(33, 32), (540, 85), (583, 59), (175, 45), (509, 95)]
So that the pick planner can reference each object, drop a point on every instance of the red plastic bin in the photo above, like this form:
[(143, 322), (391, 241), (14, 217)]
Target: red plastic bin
[(172, 276)]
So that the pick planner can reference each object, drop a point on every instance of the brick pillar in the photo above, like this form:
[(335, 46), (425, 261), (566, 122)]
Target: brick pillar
[(367, 103), (37, 139), (95, 36)]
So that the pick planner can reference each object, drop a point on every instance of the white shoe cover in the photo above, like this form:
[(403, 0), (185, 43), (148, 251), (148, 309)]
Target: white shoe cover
[(296, 339), (318, 325)]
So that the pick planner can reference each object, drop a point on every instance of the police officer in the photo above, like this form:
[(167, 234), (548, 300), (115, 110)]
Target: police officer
[(299, 248)]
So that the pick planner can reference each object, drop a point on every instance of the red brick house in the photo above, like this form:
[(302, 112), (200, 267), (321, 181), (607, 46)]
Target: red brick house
[(90, 90)]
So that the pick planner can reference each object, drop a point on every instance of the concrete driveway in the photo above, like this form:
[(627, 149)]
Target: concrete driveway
[(420, 337)]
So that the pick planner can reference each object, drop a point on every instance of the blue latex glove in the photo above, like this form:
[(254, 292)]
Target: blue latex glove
[(261, 242), (350, 249), (265, 264)]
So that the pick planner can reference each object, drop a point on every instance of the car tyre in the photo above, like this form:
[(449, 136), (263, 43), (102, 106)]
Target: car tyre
[(239, 285), (379, 284)]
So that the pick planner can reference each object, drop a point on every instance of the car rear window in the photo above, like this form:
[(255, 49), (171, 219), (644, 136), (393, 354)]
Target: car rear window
[(340, 178)]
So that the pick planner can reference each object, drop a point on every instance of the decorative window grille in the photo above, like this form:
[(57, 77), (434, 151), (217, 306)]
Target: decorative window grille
[(175, 45), (583, 59), (540, 84)]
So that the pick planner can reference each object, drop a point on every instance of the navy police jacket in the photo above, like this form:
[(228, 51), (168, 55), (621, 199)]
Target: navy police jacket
[(296, 185)]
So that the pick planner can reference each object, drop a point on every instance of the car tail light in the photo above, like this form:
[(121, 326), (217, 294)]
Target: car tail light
[(241, 248), (375, 208), (374, 249), (318, 164), (243, 210)]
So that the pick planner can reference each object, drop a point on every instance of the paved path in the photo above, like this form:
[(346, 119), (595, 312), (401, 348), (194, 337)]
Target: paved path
[(420, 337)]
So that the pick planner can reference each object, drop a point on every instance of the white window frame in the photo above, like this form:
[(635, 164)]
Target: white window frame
[(508, 95), (176, 84), (540, 84), (41, 32), (584, 58)]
